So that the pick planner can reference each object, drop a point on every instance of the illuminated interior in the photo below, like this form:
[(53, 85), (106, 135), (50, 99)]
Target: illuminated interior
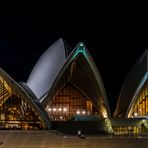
[(68, 102), (16, 112), (127, 130), (5, 91), (77, 91), (140, 105)]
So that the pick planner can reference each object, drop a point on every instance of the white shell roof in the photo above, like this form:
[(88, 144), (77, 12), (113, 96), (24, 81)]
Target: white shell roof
[(132, 83), (46, 69)]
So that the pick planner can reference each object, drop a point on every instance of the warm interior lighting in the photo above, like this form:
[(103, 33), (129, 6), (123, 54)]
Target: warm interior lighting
[(135, 114), (76, 104), (49, 109), (140, 104), (65, 109), (61, 117), (5, 91), (54, 109), (83, 112), (60, 109), (78, 112)]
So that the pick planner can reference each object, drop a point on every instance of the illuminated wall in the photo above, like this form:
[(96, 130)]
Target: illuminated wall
[(68, 102), (140, 104), (78, 89), (5, 91), (63, 83), (132, 94), (16, 112)]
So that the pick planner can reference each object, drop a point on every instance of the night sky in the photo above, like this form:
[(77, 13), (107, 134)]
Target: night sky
[(115, 40)]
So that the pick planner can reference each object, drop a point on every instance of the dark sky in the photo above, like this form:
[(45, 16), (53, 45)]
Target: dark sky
[(114, 39)]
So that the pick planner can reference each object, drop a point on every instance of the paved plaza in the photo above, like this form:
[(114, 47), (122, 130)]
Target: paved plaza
[(46, 139)]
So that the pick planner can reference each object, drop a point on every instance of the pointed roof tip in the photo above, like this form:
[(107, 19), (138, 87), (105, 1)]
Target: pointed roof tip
[(144, 54), (61, 39), (81, 44), (146, 51), (68, 48)]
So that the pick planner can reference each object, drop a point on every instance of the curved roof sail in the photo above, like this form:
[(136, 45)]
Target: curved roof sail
[(12, 87), (46, 69), (80, 70), (134, 81)]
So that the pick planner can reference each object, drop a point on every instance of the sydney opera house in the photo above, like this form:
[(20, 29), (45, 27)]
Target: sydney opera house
[(65, 86)]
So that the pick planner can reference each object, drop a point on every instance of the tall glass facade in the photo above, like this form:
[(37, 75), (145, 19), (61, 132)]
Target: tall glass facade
[(140, 106), (68, 102)]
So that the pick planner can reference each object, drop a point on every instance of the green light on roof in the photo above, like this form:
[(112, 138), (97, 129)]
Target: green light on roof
[(82, 50)]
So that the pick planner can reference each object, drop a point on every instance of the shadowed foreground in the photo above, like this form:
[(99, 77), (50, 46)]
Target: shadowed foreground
[(46, 139)]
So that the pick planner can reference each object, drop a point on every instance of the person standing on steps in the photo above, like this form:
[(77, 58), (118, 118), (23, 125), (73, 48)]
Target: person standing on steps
[(79, 133)]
